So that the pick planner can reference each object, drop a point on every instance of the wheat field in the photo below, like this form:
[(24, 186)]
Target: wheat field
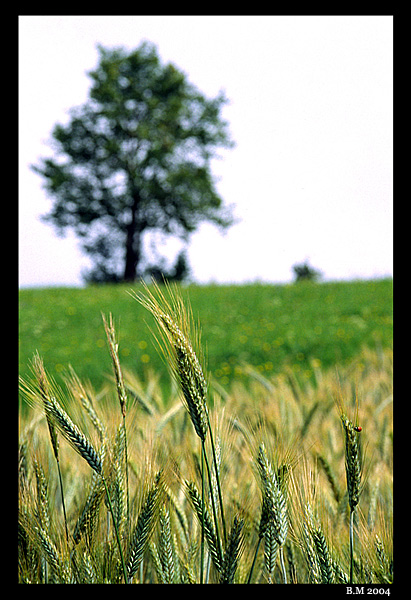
[(273, 481)]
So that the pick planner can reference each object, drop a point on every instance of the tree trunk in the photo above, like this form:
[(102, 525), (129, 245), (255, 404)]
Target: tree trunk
[(133, 243)]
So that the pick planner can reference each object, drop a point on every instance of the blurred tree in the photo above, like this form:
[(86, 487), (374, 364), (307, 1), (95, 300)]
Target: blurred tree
[(304, 272), (179, 272), (135, 157)]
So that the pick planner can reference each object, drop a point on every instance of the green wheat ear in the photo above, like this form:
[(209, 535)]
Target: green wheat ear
[(274, 519), (144, 526), (72, 433), (352, 462), (353, 475), (175, 324), (234, 548), (274, 508)]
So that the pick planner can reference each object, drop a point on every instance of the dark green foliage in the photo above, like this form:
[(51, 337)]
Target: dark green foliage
[(135, 157), (304, 272), (160, 273)]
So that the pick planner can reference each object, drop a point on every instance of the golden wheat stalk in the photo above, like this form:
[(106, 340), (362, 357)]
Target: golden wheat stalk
[(175, 324), (113, 347)]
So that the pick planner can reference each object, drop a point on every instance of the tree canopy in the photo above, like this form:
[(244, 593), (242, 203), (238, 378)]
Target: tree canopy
[(135, 157)]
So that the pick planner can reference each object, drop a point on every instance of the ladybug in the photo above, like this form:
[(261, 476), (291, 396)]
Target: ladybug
[(358, 428)]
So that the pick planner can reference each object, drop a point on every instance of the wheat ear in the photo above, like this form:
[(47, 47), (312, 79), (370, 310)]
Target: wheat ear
[(113, 347), (76, 438), (42, 496), (274, 506), (269, 523), (86, 522), (310, 553), (207, 524), (233, 551), (122, 395), (144, 527), (49, 549), (353, 475), (352, 462), (72, 433), (166, 547), (323, 555), (270, 551), (174, 325), (44, 388)]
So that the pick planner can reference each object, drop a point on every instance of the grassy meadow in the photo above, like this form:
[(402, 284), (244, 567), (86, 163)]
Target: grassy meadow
[(300, 327), (271, 464)]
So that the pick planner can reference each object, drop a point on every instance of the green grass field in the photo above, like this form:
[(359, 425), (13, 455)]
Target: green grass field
[(271, 327)]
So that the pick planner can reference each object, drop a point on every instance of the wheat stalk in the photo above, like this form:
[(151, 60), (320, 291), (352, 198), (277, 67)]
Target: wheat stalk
[(45, 389), (330, 476), (46, 544), (42, 496), (273, 520), (122, 396), (79, 392), (324, 558), (144, 527), (81, 444), (86, 522), (307, 543), (59, 419), (283, 518), (352, 462), (72, 434), (270, 551), (206, 521), (113, 347), (174, 324), (233, 551), (274, 508), (353, 475), (166, 547)]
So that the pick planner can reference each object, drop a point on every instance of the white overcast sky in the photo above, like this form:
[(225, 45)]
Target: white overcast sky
[(311, 112)]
